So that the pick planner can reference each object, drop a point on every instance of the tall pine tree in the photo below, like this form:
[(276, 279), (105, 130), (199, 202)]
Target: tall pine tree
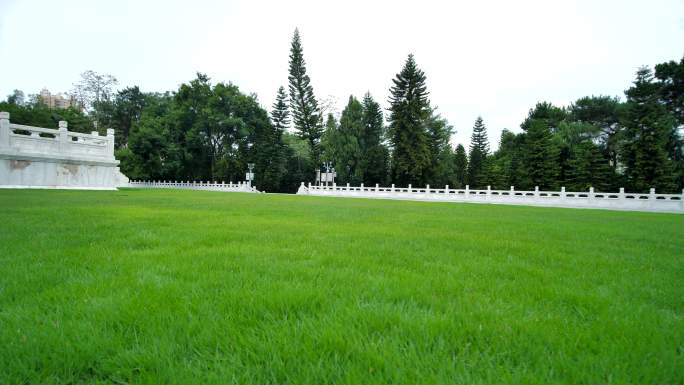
[(347, 147), (375, 157), (441, 155), (588, 168), (329, 139), (648, 129), (305, 112), (409, 110), (479, 150), (280, 116), (460, 167), (269, 152), (670, 76), (540, 156)]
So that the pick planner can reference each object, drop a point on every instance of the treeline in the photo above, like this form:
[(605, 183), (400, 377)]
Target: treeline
[(206, 131), (597, 141)]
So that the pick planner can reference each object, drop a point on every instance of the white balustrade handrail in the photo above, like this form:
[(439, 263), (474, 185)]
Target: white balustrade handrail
[(40, 142), (21, 127), (195, 185), (611, 200)]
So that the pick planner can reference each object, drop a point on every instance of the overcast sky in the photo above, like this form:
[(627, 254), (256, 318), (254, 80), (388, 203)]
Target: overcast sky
[(489, 58)]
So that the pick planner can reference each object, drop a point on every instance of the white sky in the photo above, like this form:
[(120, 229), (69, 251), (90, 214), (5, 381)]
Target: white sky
[(489, 58)]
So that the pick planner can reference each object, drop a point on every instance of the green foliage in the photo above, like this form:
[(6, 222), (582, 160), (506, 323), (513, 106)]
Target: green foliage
[(205, 131), (305, 112), (547, 113), (299, 166), (375, 156), (347, 154), (190, 287), (588, 168), (441, 171), (460, 167), (648, 128), (539, 156), (129, 103), (329, 139), (477, 159), (671, 80), (38, 114), (602, 112), (16, 97), (280, 115), (409, 110), (144, 158), (670, 77)]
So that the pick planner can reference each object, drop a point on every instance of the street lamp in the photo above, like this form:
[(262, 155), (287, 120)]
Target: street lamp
[(250, 174), (327, 176)]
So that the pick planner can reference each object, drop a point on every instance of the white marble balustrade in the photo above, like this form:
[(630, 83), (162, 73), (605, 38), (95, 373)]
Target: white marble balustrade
[(573, 199)]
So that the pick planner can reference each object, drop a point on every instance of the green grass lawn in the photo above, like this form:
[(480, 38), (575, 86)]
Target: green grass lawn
[(189, 287)]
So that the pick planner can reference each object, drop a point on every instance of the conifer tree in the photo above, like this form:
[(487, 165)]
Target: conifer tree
[(539, 156), (648, 128), (348, 149), (280, 115), (305, 112), (460, 167), (602, 112), (670, 77), (588, 168), (509, 155), (329, 139), (409, 110), (269, 152), (546, 112), (439, 131), (375, 157), (479, 150), (373, 122)]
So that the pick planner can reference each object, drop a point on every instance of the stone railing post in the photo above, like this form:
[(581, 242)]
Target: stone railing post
[(489, 191), (361, 187), (467, 191), (562, 194), (392, 188), (651, 194), (681, 199), (446, 190), (536, 192), (427, 189), (621, 195), (591, 193), (377, 186), (302, 189), (63, 137), (110, 142), (4, 129), (409, 189)]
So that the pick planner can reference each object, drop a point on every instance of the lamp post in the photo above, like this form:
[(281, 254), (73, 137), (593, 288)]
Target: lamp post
[(327, 166), (250, 174)]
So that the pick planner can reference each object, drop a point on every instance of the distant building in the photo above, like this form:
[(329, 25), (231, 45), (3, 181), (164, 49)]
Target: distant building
[(57, 100)]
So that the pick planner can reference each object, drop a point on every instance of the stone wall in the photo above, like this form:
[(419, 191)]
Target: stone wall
[(36, 157)]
